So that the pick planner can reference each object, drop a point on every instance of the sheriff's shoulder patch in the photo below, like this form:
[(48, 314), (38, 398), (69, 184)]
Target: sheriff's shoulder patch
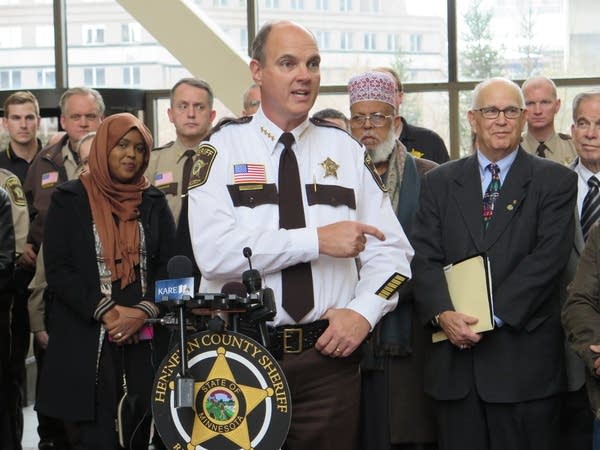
[(205, 156), (390, 287), (369, 164), (226, 121), (15, 190)]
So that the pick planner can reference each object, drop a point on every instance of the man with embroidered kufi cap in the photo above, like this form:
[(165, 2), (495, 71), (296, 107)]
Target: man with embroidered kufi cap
[(392, 367)]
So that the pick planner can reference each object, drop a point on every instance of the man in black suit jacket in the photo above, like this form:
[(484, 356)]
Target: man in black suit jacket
[(496, 390)]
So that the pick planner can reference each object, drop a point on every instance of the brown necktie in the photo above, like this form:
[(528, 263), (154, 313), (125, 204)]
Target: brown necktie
[(296, 281), (541, 150), (187, 170)]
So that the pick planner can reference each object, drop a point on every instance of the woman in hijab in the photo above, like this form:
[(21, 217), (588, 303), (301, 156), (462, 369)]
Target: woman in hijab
[(107, 239)]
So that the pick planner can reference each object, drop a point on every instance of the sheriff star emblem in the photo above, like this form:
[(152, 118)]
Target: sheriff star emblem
[(330, 167)]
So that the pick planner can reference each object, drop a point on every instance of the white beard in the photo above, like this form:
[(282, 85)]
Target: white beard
[(381, 152)]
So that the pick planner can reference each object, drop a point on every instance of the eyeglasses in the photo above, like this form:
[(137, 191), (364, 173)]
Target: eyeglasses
[(185, 107), (376, 119), (491, 112)]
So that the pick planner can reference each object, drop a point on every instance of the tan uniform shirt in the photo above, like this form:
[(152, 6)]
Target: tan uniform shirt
[(20, 213), (165, 171), (36, 305), (560, 147)]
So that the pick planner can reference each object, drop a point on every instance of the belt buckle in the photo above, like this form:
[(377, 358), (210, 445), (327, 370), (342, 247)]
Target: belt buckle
[(288, 335)]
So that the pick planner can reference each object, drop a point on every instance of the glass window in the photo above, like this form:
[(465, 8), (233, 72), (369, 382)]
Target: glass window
[(10, 79), (29, 47), (346, 38), (345, 5), (94, 76), (10, 37), (44, 36), (46, 77), (114, 26), (369, 41), (322, 5), (131, 32), (297, 4), (92, 34), (554, 37), (416, 43), (350, 52), (131, 76), (322, 39)]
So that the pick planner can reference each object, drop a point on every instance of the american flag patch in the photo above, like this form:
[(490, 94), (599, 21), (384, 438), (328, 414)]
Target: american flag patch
[(163, 178), (49, 179), (249, 173)]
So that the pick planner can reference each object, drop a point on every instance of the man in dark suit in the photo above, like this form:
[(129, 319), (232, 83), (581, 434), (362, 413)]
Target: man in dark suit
[(497, 390), (580, 312)]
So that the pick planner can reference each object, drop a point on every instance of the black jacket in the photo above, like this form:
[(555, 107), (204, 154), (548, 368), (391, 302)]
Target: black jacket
[(67, 387)]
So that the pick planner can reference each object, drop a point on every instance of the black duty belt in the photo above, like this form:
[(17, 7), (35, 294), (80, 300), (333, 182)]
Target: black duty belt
[(299, 337)]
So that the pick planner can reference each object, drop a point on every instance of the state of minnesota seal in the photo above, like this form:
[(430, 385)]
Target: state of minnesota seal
[(241, 397)]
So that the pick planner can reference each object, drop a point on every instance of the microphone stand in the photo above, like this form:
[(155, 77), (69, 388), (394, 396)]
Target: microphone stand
[(184, 397)]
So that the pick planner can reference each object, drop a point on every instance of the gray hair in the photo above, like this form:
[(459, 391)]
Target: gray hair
[(586, 95), (82, 90)]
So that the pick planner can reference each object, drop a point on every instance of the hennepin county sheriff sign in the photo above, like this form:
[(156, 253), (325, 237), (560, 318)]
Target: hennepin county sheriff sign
[(241, 397)]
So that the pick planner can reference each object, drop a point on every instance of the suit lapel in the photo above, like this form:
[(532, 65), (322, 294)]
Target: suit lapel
[(467, 193), (512, 193)]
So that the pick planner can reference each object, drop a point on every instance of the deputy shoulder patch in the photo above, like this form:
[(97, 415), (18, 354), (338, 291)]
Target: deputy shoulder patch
[(369, 164), (392, 285), (205, 156), (15, 190), (167, 145), (564, 137)]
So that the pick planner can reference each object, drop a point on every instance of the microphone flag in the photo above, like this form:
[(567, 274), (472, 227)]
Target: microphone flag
[(174, 289)]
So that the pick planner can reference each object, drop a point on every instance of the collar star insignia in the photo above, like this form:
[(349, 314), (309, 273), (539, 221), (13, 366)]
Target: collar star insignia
[(416, 153), (266, 132), (330, 167)]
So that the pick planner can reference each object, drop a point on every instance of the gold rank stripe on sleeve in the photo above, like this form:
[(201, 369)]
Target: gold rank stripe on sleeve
[(390, 287)]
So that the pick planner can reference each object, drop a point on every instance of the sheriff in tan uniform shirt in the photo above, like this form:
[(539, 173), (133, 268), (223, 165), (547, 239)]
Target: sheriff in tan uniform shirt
[(165, 171), (560, 147)]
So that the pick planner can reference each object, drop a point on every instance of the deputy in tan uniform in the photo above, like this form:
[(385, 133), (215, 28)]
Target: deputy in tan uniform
[(542, 102), (11, 184), (192, 113)]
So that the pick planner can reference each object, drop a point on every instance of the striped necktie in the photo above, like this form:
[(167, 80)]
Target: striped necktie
[(491, 194), (590, 211)]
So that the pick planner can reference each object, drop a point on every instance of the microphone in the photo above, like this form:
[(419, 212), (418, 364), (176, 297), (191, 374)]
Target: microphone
[(178, 289), (234, 288), (180, 266), (234, 293), (251, 278)]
